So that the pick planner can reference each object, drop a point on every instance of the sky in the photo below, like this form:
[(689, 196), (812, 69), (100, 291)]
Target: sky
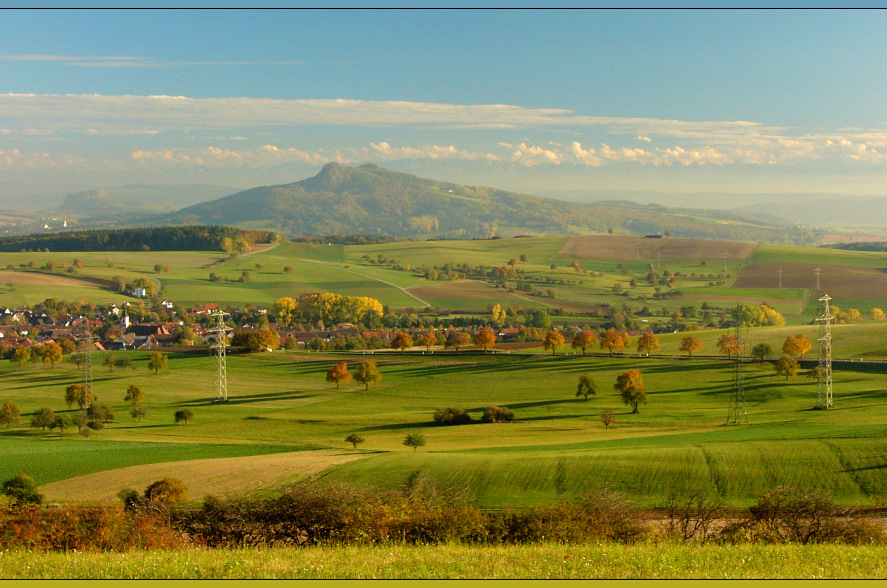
[(529, 101)]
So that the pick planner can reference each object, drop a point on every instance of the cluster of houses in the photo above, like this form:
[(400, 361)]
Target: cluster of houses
[(21, 326)]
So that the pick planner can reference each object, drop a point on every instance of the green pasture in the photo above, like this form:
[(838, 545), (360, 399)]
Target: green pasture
[(556, 446)]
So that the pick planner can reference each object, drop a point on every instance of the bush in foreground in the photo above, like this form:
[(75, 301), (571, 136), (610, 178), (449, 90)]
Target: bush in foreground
[(451, 416)]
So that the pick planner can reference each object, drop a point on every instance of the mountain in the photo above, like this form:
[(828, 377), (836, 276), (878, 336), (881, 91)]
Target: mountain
[(138, 199), (370, 200)]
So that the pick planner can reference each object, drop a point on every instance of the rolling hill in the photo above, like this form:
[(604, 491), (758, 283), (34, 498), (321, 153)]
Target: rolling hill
[(371, 200)]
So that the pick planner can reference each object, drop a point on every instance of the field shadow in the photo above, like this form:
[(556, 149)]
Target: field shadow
[(237, 399)]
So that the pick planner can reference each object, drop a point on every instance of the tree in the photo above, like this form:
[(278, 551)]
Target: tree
[(157, 362), (367, 374), (485, 338), (796, 345), (286, 310), (185, 415), (100, 413), (402, 341), (168, 492), (414, 440), (354, 439), (42, 418), (761, 351), (630, 386), (78, 394), (552, 340), (21, 491), (124, 362), (690, 345), (67, 345), (10, 414), (878, 314), (729, 346), (583, 339), (134, 394), (456, 339), (338, 373), (497, 414), (786, 366), (587, 386), (138, 413), (52, 353), (816, 373), (648, 342), (608, 418), (612, 340), (21, 355), (111, 361), (60, 422), (428, 339)]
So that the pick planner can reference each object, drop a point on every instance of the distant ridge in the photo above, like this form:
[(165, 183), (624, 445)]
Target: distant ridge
[(370, 200)]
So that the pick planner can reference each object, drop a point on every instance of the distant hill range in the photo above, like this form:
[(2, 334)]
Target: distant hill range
[(370, 200), (138, 200)]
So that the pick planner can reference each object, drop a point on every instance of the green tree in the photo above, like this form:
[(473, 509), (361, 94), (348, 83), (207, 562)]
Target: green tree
[(123, 363), (134, 394), (52, 353), (22, 491), (60, 422), (354, 439), (587, 386), (185, 415), (414, 440), (21, 355), (43, 417), (552, 340), (761, 351), (158, 362), (583, 339), (630, 386), (367, 373), (101, 413), (338, 373), (138, 413), (111, 361), (786, 366), (10, 414)]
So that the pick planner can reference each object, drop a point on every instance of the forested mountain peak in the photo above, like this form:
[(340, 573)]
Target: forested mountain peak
[(371, 200)]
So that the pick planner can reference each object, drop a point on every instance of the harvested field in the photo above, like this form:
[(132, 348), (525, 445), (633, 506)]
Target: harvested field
[(838, 281), (38, 279), (464, 294), (613, 247), (231, 475)]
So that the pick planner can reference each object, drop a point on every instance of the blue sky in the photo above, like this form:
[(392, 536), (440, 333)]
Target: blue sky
[(533, 101)]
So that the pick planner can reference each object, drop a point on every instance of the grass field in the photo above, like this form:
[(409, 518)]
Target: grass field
[(749, 274), (293, 425), (546, 561)]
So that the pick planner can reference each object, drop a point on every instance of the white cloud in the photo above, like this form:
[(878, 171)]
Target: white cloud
[(385, 151)]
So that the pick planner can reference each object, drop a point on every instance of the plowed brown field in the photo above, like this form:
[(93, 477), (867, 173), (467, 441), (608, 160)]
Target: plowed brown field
[(607, 247), (838, 281)]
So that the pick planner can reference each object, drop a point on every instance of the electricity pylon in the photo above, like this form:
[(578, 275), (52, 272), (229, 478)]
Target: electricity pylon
[(824, 390), (736, 415), (220, 343)]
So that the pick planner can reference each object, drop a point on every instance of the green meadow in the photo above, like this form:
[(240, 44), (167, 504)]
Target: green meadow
[(280, 405)]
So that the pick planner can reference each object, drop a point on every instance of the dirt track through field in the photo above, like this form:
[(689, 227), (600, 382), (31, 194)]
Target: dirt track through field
[(230, 475), (38, 279), (618, 247)]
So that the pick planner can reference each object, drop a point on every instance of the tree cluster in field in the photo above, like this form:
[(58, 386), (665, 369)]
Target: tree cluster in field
[(328, 309), (188, 238)]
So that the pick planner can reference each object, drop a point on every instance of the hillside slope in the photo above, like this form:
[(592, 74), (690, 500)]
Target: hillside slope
[(374, 201)]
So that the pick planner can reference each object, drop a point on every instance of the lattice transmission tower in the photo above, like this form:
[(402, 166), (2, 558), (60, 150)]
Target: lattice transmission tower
[(87, 345), (824, 391), (220, 343), (736, 415)]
